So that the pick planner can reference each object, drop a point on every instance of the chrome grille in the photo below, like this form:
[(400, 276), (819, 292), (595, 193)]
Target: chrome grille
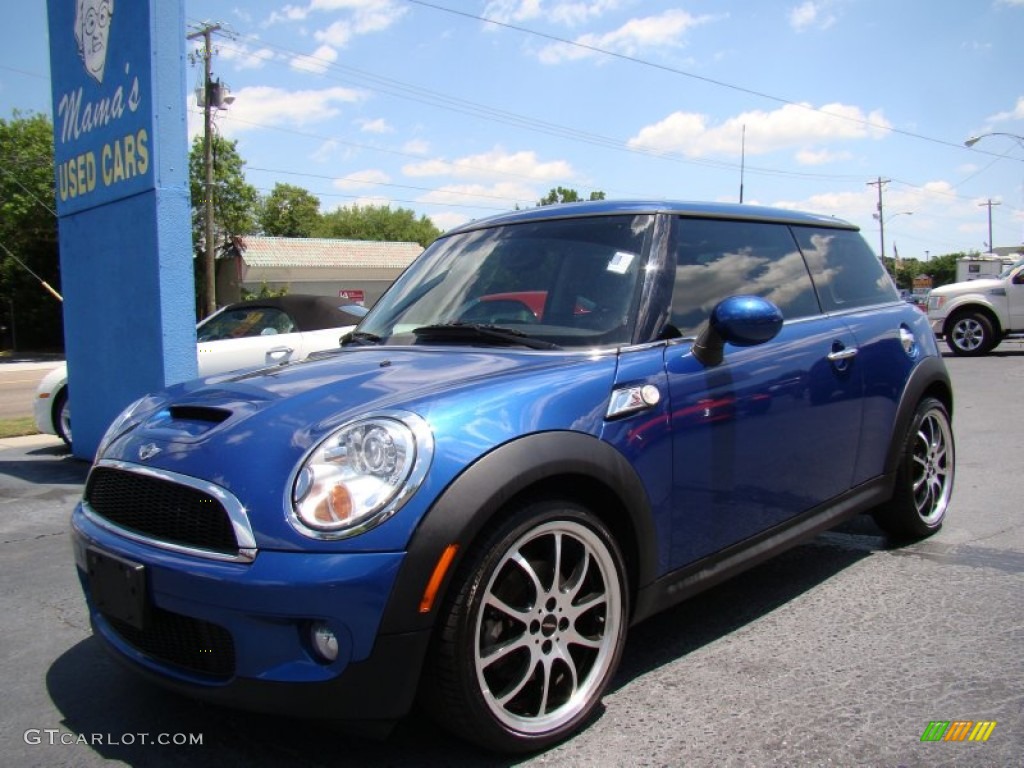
[(161, 509)]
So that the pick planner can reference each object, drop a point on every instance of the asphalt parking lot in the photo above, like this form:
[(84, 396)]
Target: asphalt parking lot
[(840, 652)]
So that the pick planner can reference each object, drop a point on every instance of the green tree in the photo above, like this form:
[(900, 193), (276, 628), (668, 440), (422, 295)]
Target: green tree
[(373, 222), (563, 195), (290, 211), (32, 317), (235, 203), (942, 269)]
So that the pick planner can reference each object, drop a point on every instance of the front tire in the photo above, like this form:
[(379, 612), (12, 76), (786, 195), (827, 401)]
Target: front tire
[(62, 416), (924, 479), (970, 334), (532, 632)]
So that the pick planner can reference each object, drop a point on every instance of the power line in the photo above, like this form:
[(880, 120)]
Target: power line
[(403, 90), (683, 73)]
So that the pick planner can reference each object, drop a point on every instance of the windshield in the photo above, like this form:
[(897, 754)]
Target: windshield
[(1006, 272), (564, 282)]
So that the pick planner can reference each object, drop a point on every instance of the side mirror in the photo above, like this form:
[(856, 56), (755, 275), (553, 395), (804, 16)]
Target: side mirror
[(743, 321)]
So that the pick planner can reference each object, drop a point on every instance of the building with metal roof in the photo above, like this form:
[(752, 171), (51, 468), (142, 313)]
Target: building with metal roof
[(359, 270)]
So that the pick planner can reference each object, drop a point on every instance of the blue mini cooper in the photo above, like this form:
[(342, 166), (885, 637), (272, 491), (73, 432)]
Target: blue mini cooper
[(555, 423)]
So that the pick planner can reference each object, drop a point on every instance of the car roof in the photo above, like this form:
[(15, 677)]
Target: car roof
[(310, 313), (673, 207)]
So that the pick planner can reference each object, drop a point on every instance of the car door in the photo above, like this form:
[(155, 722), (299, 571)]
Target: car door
[(246, 337), (1015, 298), (772, 431), (854, 287)]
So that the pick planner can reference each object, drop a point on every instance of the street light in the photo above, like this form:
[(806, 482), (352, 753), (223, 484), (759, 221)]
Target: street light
[(970, 143), (975, 139), (881, 224)]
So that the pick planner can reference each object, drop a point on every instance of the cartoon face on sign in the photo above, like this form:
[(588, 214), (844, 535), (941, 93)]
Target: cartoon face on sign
[(92, 28)]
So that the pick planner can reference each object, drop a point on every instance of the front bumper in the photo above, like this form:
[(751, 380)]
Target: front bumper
[(239, 633)]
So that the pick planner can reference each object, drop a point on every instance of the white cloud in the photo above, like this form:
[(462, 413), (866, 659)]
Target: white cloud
[(568, 12), (243, 56), (364, 17), (416, 147), (812, 14), (496, 162), (820, 156), (380, 125), (792, 126), (262, 106), (317, 62), (446, 220), (507, 11), (361, 179), (636, 35), (1017, 113), (504, 194), (325, 151)]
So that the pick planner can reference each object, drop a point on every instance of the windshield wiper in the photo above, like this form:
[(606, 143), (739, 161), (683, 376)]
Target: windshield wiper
[(359, 337), (480, 332)]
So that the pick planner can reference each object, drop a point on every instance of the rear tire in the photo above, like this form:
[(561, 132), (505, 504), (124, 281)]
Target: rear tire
[(970, 334), (532, 631), (924, 479)]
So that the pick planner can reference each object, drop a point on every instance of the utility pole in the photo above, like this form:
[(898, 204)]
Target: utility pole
[(989, 204), (209, 261), (881, 214)]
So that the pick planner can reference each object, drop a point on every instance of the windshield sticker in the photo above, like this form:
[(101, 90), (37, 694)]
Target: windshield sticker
[(620, 262)]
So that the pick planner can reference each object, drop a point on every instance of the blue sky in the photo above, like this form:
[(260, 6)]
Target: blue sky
[(462, 108)]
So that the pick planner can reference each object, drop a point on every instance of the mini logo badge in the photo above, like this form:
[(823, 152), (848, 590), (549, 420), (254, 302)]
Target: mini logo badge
[(148, 451)]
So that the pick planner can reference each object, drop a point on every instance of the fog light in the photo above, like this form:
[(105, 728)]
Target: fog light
[(325, 642)]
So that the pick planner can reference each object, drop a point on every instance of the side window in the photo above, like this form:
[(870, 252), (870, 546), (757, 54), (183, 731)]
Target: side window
[(716, 259), (846, 271), (239, 323)]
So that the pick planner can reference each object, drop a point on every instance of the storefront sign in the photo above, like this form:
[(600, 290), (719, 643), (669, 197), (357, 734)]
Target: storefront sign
[(101, 102)]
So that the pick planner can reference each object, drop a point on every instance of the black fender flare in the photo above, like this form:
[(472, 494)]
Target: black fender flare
[(485, 487), (930, 377)]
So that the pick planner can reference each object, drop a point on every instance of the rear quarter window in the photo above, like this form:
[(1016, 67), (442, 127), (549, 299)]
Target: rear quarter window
[(845, 270)]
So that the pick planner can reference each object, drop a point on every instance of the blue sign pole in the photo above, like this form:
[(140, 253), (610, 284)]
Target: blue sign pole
[(121, 164)]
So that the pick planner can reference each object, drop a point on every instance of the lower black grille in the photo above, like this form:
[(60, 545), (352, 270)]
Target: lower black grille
[(180, 641), (161, 509)]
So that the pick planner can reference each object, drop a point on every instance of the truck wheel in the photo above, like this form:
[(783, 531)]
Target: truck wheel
[(924, 478), (532, 632), (970, 334)]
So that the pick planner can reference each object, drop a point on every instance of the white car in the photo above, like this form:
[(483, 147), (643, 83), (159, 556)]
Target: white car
[(243, 335)]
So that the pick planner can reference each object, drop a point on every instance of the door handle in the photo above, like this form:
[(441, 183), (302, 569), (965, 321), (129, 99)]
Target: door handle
[(280, 352), (842, 355)]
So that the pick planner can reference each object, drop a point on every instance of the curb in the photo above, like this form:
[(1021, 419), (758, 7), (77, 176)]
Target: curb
[(30, 441)]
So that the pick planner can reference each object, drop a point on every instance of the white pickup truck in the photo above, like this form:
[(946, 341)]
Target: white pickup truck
[(976, 315)]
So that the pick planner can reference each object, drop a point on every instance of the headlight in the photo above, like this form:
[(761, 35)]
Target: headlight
[(936, 302), (360, 475)]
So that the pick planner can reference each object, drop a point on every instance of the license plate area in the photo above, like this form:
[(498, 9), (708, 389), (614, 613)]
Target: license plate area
[(118, 587)]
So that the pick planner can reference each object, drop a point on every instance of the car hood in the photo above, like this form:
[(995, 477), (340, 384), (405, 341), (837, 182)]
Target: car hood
[(983, 285), (248, 432)]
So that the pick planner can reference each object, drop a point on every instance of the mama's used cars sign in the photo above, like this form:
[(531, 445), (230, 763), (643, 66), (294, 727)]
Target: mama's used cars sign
[(102, 101)]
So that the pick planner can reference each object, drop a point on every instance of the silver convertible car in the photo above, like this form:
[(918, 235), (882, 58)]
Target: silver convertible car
[(241, 335)]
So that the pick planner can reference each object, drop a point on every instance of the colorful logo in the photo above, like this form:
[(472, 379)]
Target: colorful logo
[(958, 730)]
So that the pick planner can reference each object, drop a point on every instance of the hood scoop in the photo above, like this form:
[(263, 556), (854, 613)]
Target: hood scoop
[(190, 420)]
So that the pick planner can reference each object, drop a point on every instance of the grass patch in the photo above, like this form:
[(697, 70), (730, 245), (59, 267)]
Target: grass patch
[(18, 427)]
